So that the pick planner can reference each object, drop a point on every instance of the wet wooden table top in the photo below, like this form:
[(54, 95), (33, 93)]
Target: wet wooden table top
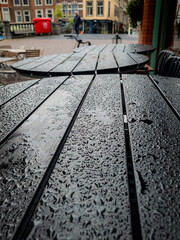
[(109, 58), (91, 157)]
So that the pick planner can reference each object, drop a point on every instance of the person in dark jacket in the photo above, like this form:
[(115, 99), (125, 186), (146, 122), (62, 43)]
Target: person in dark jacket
[(77, 22)]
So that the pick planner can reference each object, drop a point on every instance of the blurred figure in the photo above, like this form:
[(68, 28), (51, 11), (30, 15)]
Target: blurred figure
[(77, 22)]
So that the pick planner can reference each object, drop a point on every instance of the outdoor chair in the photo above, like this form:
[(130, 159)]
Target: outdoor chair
[(32, 53), (161, 60), (4, 47), (172, 67)]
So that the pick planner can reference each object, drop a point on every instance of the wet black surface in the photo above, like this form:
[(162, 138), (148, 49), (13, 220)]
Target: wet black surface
[(87, 195), (27, 153), (9, 91), (15, 111), (155, 141), (107, 158), (85, 60), (171, 89)]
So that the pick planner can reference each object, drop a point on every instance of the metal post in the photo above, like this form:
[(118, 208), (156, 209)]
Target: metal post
[(155, 39)]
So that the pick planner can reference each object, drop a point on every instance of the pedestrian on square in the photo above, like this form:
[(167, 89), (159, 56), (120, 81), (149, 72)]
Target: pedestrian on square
[(77, 22)]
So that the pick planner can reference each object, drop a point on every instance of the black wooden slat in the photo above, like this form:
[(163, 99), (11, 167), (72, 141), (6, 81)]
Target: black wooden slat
[(24, 62), (170, 88), (46, 67), (119, 48), (125, 62), (87, 194), (16, 110), (11, 90), (89, 62), (106, 63), (139, 58), (36, 62), (26, 155), (155, 140), (130, 48)]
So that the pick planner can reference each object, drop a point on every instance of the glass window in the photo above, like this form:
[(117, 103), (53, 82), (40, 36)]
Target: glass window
[(65, 10), (4, 1), (49, 14), (74, 9), (25, 2), (39, 13), (6, 14), (49, 2), (100, 8), (16, 2), (109, 8), (38, 2), (27, 16), (18, 16), (116, 11), (89, 8)]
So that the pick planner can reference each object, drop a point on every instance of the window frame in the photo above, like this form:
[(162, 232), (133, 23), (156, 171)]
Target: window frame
[(100, 15), (88, 8), (36, 11), (6, 2), (67, 10), (47, 4), (38, 4), (17, 16), (74, 10), (25, 4), (17, 4), (52, 10), (29, 16), (3, 14)]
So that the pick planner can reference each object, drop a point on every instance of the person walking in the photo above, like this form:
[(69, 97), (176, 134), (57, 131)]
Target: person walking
[(77, 22)]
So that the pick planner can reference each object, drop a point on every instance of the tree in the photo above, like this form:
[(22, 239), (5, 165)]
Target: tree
[(58, 11), (135, 11)]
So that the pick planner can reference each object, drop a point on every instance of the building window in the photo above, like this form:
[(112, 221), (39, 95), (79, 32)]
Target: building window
[(116, 11), (39, 13), (65, 10), (27, 16), (25, 2), (49, 14), (109, 9), (89, 8), (38, 2), (4, 1), (49, 2), (6, 14), (100, 8), (16, 2), (74, 9), (18, 16)]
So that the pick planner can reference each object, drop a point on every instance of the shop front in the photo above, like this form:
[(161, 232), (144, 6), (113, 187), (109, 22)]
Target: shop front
[(97, 26)]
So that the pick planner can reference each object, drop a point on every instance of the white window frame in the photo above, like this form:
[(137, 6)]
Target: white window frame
[(100, 7), (17, 4), (38, 4), (48, 4), (74, 10), (17, 16), (3, 14), (88, 8), (25, 4), (52, 13), (25, 15), (5, 1), (64, 14), (36, 12)]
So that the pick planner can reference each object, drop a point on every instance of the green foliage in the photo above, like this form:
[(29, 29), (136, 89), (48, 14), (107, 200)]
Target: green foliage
[(58, 13), (135, 11)]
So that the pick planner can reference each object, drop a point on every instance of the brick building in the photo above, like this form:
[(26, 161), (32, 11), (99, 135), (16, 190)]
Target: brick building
[(69, 7), (23, 11)]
